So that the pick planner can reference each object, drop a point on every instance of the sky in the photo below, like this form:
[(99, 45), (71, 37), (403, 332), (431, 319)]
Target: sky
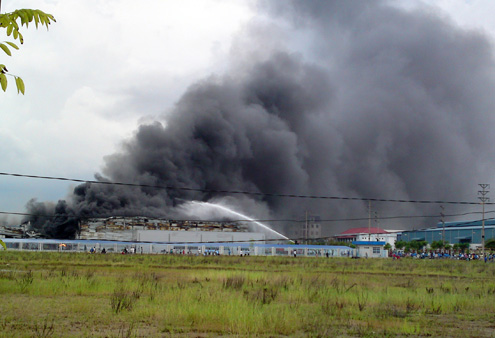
[(99, 70), (105, 67)]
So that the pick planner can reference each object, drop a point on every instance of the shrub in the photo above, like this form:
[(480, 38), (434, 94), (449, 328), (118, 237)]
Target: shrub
[(123, 300), (26, 281), (234, 282)]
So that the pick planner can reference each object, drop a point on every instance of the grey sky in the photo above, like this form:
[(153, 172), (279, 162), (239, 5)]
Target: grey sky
[(104, 66)]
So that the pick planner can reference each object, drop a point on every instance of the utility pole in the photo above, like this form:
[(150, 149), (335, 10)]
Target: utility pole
[(306, 229), (376, 223), (443, 226), (369, 221), (483, 198)]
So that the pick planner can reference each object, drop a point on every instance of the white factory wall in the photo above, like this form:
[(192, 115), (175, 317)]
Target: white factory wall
[(195, 236), (107, 234), (388, 238)]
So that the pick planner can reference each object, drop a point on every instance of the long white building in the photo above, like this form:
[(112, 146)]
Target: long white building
[(142, 229)]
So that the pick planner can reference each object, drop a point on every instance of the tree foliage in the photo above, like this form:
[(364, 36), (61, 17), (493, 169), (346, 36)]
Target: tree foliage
[(436, 245), (416, 245), (12, 22), (410, 246), (490, 244), (400, 245), (461, 246)]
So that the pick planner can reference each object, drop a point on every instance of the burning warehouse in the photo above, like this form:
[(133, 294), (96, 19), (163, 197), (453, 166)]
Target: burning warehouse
[(141, 229)]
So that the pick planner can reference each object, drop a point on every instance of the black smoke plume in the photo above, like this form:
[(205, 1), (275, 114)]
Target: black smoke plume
[(362, 99)]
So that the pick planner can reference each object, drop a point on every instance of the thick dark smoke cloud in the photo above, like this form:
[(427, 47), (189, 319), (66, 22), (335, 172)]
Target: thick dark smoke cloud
[(367, 100)]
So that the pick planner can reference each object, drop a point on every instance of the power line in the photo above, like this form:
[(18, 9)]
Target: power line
[(239, 220), (241, 192)]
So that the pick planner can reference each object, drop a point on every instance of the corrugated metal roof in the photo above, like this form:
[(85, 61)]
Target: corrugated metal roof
[(466, 223)]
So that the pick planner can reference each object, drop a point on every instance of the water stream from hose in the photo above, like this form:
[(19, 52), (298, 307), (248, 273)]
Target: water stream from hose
[(247, 218)]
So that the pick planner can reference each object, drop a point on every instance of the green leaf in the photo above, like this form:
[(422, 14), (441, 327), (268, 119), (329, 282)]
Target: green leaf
[(11, 44), (20, 85), (17, 84), (9, 30), (3, 82), (36, 18), (5, 49), (2, 243), (12, 22), (30, 14), (24, 18)]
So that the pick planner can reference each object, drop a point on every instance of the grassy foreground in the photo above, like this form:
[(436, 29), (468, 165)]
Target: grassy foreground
[(95, 295)]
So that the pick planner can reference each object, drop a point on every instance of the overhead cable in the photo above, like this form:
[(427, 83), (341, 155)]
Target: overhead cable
[(240, 220), (241, 192)]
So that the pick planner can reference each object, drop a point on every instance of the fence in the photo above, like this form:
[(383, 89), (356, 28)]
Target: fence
[(230, 248)]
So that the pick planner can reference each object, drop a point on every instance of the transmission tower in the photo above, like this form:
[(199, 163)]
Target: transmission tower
[(442, 215), (483, 198)]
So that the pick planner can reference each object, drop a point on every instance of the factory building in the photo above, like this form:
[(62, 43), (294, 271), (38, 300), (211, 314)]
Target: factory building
[(455, 232), (370, 249), (142, 229), (307, 230), (365, 234)]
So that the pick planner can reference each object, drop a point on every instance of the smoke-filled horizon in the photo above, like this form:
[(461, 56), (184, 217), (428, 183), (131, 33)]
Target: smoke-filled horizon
[(360, 99)]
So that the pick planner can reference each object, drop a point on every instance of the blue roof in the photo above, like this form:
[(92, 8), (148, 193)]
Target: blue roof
[(466, 223), (368, 243)]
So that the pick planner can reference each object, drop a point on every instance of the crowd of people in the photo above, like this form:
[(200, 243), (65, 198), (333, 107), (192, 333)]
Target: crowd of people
[(488, 257)]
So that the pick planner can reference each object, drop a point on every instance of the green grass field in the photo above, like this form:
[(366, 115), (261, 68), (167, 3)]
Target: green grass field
[(95, 295)]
